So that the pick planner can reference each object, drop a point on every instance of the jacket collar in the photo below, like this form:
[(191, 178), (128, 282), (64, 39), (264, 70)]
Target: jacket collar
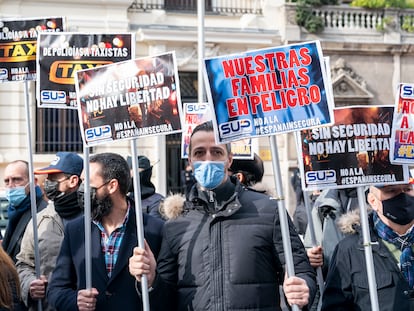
[(222, 201), (376, 243)]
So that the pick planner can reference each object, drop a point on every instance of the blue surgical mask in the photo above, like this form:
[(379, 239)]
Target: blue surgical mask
[(16, 195), (209, 174)]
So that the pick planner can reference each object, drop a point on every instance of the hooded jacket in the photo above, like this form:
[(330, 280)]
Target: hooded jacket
[(327, 210), (347, 282), (224, 255)]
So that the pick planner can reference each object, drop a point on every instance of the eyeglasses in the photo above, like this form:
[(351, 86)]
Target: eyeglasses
[(105, 183)]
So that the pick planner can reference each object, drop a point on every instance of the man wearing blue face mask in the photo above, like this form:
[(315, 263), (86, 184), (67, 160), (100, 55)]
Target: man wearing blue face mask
[(224, 250), (16, 180), (392, 237)]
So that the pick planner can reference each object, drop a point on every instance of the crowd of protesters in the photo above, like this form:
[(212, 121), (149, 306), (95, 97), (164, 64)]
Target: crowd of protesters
[(216, 246)]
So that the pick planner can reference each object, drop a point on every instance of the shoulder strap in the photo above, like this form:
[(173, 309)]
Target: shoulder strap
[(21, 227), (18, 233)]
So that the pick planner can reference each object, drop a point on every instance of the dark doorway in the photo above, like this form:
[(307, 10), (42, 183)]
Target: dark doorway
[(175, 164)]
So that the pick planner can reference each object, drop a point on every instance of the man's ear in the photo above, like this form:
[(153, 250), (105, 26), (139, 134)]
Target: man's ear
[(73, 181), (230, 159), (373, 201), (113, 185), (240, 177)]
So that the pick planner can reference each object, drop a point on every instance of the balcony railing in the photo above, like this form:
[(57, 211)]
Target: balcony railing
[(343, 17), (227, 7)]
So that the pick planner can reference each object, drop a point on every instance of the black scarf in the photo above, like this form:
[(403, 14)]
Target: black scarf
[(67, 206)]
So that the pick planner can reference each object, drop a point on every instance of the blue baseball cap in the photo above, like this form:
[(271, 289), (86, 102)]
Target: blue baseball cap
[(64, 162)]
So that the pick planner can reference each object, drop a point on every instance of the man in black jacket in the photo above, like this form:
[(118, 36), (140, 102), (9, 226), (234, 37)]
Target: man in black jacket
[(392, 239), (225, 251)]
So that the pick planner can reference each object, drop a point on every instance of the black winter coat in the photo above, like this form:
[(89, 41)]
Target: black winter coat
[(230, 259), (347, 282)]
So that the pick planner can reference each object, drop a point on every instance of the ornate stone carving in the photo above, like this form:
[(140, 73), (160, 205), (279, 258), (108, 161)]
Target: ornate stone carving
[(340, 68), (348, 87)]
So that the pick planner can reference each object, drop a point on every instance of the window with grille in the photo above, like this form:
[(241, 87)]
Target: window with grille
[(57, 130)]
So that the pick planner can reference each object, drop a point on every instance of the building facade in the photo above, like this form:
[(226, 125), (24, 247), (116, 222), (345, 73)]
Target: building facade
[(370, 52)]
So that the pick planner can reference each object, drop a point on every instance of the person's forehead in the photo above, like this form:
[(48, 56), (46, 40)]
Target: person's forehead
[(205, 139), (390, 188), (17, 169), (95, 170)]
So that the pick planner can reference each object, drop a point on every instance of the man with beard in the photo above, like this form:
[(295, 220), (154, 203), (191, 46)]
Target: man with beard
[(61, 185), (113, 238), (391, 226)]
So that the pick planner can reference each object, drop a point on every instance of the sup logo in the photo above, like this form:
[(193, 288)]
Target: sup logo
[(53, 97), (320, 177), (407, 91), (98, 133), (3, 74), (235, 127), (196, 108)]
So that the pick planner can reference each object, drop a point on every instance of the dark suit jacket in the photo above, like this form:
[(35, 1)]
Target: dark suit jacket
[(116, 292)]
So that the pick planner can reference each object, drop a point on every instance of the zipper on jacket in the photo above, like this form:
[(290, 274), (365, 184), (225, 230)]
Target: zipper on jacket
[(217, 273), (211, 196)]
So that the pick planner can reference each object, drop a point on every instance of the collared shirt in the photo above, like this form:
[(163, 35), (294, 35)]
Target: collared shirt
[(111, 244)]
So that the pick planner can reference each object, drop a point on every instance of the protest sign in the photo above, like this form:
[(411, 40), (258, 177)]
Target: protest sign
[(194, 114), (197, 113), (61, 55), (18, 43), (352, 152), (129, 99), (402, 137), (268, 91)]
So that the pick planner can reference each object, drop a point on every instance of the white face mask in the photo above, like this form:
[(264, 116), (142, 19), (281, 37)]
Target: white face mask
[(209, 174)]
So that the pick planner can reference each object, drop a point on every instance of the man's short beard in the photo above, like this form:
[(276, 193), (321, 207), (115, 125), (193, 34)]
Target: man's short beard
[(101, 208)]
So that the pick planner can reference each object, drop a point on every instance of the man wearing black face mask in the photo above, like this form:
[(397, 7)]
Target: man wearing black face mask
[(113, 238), (150, 199), (392, 237), (60, 186)]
